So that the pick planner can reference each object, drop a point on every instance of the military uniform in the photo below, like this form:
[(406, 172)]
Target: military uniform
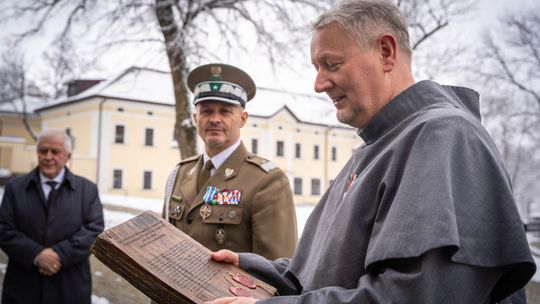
[(246, 206)]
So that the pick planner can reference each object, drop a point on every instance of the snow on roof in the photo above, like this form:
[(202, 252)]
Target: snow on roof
[(135, 83), (154, 86)]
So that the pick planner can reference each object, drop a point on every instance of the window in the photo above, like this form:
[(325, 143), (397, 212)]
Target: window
[(297, 150), (119, 134), (316, 152), (147, 180), (279, 148), (334, 153), (315, 186), (298, 186), (149, 137), (117, 179), (254, 146)]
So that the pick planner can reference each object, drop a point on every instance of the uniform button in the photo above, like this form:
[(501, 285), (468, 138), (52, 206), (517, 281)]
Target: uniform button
[(190, 219)]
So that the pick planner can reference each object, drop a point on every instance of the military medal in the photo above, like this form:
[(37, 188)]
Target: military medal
[(214, 196), (205, 211), (221, 236)]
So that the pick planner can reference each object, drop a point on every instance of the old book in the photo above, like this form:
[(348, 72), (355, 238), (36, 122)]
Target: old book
[(169, 266)]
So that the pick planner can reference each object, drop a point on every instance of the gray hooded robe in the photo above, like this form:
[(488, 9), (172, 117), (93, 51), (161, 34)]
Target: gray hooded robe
[(422, 213)]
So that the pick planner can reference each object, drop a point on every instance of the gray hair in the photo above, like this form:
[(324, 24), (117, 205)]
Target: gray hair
[(55, 133), (365, 20)]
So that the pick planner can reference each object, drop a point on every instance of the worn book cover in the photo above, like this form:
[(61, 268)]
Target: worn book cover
[(169, 266)]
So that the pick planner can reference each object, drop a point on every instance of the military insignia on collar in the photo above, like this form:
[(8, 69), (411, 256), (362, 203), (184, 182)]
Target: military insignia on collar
[(213, 196), (229, 172)]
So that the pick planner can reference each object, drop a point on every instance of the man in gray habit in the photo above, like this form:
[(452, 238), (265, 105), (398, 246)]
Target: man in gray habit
[(423, 212)]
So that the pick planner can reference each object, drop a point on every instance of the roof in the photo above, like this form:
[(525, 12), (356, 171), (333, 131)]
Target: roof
[(135, 83), (155, 86)]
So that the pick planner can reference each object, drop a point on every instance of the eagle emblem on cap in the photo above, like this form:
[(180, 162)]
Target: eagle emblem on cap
[(215, 71)]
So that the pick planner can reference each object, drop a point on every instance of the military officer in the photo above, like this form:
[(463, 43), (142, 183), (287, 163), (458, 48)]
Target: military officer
[(228, 197)]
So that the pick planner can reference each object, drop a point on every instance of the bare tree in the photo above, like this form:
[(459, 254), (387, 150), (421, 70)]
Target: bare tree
[(15, 88), (190, 29), (62, 63), (436, 47), (511, 78)]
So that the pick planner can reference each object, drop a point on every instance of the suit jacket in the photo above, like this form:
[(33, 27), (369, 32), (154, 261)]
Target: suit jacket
[(263, 221), (70, 226)]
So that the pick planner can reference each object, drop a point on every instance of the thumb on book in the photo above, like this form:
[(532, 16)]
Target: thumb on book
[(226, 256)]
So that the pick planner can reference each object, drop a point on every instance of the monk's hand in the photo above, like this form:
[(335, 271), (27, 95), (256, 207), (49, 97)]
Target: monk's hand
[(48, 262), (226, 256), (233, 300)]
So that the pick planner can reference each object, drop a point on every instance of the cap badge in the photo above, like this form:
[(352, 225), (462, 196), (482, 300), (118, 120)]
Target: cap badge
[(215, 70)]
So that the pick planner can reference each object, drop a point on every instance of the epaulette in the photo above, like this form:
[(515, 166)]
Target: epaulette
[(260, 162), (189, 159)]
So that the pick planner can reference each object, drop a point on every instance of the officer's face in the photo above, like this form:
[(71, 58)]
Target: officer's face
[(52, 156), (218, 124)]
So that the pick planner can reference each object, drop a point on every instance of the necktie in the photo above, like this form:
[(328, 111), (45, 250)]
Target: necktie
[(205, 175), (52, 193)]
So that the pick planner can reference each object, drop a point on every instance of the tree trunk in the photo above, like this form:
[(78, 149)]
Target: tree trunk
[(184, 131)]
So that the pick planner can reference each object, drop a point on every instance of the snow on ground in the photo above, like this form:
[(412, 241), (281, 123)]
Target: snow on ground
[(302, 213), (99, 300), (536, 276), (113, 218), (138, 203)]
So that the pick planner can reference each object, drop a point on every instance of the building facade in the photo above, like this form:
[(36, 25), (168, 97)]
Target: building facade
[(122, 130)]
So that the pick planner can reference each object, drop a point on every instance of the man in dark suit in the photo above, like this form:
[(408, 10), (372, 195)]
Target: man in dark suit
[(49, 218), (227, 197)]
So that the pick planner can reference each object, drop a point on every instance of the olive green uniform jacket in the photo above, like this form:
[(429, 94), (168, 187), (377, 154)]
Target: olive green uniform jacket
[(264, 220)]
